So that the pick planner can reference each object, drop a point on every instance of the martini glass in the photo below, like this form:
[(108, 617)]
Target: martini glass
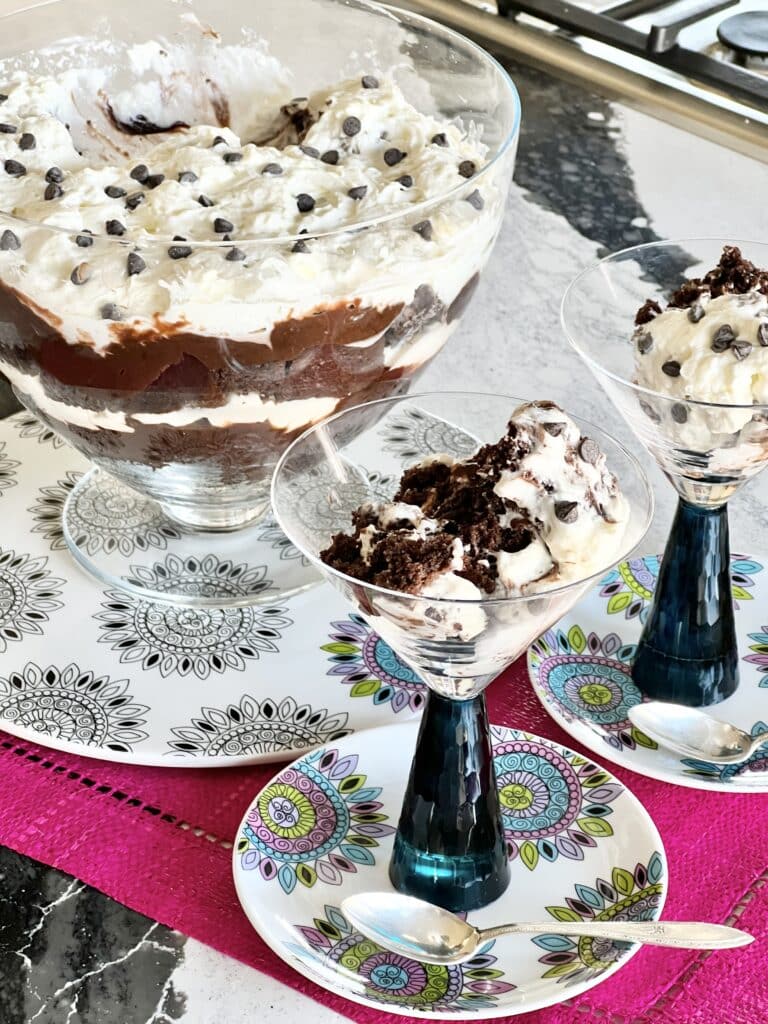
[(449, 847), (687, 653)]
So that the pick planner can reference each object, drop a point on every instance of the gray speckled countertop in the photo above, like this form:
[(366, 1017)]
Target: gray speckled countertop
[(591, 176)]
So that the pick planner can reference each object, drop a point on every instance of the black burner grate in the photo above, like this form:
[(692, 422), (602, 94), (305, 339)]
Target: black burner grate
[(660, 45)]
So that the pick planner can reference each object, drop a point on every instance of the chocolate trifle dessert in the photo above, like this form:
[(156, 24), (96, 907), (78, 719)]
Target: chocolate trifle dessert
[(197, 265), (709, 345), (537, 510)]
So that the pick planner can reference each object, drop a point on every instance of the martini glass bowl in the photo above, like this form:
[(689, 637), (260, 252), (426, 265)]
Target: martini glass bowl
[(708, 450), (182, 367), (449, 847)]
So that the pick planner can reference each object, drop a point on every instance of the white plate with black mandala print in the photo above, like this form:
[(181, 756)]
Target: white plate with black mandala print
[(97, 671), (581, 847)]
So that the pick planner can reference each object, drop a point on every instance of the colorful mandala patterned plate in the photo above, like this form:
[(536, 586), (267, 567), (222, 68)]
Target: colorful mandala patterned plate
[(92, 669), (581, 672), (581, 847)]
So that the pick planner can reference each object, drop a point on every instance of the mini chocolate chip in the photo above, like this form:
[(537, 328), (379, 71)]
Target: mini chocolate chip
[(644, 342), (235, 255), (679, 413), (27, 141), (187, 177), (741, 349), (369, 82), (135, 264), (650, 412), (467, 168), (351, 126), (357, 192), (271, 169), (555, 429), (115, 192), (393, 156), (140, 173), (476, 200), (3, 97), (310, 151), (8, 241), (304, 202), (153, 180), (226, 238), (567, 511), (696, 313), (111, 311), (179, 238), (232, 158), (180, 252), (424, 228), (134, 199), (7, 129), (14, 168), (55, 175), (219, 141), (331, 156), (300, 246), (762, 334), (114, 227), (671, 368), (441, 139), (589, 450), (205, 201), (53, 191), (405, 180), (221, 226), (84, 241), (722, 338), (80, 274)]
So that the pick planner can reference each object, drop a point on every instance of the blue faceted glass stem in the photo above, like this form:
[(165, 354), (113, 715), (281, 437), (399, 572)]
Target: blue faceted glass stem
[(449, 848), (687, 652)]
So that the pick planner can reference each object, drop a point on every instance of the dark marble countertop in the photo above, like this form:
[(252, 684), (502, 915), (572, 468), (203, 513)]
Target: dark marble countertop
[(591, 176)]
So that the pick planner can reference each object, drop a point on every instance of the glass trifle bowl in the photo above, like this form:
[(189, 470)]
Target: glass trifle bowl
[(213, 235), (677, 335), (458, 637)]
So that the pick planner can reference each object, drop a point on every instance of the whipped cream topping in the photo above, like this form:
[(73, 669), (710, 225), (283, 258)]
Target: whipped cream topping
[(159, 228)]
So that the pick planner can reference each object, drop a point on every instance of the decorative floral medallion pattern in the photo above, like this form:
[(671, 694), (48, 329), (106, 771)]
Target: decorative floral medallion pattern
[(628, 896), (28, 593), (395, 980), (7, 469), (553, 804), (109, 517), (73, 705), (371, 668), (270, 533), (759, 655), (413, 434), (257, 727), (756, 762), (207, 576), (199, 641), (630, 586), (30, 426), (49, 508), (318, 820), (587, 677)]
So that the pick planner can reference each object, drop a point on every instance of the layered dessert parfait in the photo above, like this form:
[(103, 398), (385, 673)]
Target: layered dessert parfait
[(709, 345), (197, 265), (535, 511)]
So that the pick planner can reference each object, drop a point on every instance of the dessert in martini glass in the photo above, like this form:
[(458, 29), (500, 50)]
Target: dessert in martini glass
[(466, 563)]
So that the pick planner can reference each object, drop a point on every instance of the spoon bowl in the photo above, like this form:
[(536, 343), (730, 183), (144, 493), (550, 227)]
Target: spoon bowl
[(694, 733), (422, 931)]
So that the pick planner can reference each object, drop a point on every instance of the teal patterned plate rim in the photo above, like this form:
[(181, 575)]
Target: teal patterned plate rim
[(581, 846), (581, 672)]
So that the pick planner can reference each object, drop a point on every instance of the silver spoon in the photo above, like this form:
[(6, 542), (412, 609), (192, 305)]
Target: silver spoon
[(422, 931), (694, 733)]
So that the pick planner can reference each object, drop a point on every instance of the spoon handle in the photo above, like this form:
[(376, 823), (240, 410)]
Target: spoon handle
[(680, 934)]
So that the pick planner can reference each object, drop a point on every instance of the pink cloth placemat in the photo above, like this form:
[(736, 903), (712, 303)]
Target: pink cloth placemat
[(159, 841)]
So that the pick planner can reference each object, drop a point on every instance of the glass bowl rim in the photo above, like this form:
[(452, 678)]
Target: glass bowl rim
[(597, 367), (519, 599), (405, 17)]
